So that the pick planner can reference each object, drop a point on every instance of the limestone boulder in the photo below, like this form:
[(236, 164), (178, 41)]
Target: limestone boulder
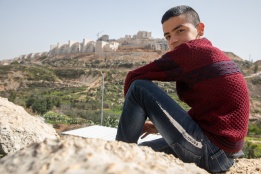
[(72, 154), (19, 129)]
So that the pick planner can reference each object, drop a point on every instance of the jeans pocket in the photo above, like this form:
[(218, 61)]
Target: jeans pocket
[(220, 162), (186, 155)]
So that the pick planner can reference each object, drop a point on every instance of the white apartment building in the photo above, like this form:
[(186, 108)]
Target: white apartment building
[(143, 39)]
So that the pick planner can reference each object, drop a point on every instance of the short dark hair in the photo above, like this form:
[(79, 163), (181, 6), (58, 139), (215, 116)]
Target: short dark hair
[(191, 15)]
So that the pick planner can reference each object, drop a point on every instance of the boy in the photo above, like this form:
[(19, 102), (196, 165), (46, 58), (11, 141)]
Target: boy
[(211, 134)]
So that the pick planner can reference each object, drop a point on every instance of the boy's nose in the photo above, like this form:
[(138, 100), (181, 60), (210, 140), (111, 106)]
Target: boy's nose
[(173, 41)]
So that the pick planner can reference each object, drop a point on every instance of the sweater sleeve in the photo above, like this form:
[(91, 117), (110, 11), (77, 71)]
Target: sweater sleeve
[(163, 69)]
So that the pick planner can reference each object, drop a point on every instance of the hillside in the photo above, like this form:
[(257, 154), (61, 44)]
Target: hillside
[(66, 89), (72, 81), (81, 73)]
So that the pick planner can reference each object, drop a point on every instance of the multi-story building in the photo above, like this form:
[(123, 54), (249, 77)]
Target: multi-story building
[(104, 45)]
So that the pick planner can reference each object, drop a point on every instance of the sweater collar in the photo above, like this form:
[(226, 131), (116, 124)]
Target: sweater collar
[(203, 42)]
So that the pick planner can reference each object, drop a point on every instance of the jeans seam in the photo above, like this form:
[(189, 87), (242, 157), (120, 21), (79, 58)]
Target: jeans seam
[(206, 162), (198, 157), (215, 157)]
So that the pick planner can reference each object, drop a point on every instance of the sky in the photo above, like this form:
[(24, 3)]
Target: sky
[(31, 26)]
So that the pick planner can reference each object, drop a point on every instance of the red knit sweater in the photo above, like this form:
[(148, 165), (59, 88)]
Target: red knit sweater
[(211, 84)]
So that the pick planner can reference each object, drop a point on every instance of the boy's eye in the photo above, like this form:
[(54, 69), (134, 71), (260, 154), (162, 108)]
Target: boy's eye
[(167, 37), (180, 31)]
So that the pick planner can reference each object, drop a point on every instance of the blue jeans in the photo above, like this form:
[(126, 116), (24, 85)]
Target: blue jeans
[(182, 136)]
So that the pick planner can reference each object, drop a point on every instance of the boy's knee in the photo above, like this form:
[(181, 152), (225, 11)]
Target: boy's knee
[(140, 82), (137, 83)]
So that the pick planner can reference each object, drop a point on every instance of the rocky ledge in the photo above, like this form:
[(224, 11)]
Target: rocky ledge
[(31, 146)]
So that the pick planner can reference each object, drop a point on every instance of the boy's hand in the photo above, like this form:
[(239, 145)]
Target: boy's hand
[(148, 128)]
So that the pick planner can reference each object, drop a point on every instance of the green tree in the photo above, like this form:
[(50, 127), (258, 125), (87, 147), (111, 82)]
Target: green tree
[(30, 101), (57, 103), (49, 103), (40, 106), (249, 150), (247, 64), (12, 96), (256, 68)]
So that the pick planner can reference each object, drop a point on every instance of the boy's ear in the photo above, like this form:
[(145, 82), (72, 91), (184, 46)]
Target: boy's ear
[(200, 28)]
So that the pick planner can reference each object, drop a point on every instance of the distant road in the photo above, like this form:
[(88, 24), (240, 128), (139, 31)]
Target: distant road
[(256, 74)]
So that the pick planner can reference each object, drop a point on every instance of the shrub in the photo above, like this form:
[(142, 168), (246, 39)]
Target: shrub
[(254, 129), (39, 73), (256, 80), (41, 104), (12, 96), (30, 101), (252, 150), (110, 121), (69, 73), (256, 68)]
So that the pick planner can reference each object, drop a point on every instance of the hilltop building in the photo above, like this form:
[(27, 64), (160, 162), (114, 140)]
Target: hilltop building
[(87, 46), (103, 46)]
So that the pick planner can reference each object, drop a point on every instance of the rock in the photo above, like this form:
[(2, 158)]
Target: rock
[(82, 155), (19, 129), (33, 146), (246, 166)]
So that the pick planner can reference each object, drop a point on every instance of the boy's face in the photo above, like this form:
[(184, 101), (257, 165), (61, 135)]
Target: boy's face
[(178, 30)]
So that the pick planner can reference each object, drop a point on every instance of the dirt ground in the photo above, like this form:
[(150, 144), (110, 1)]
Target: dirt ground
[(65, 127), (246, 166)]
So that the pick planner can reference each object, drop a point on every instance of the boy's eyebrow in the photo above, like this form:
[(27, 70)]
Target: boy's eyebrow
[(175, 28)]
